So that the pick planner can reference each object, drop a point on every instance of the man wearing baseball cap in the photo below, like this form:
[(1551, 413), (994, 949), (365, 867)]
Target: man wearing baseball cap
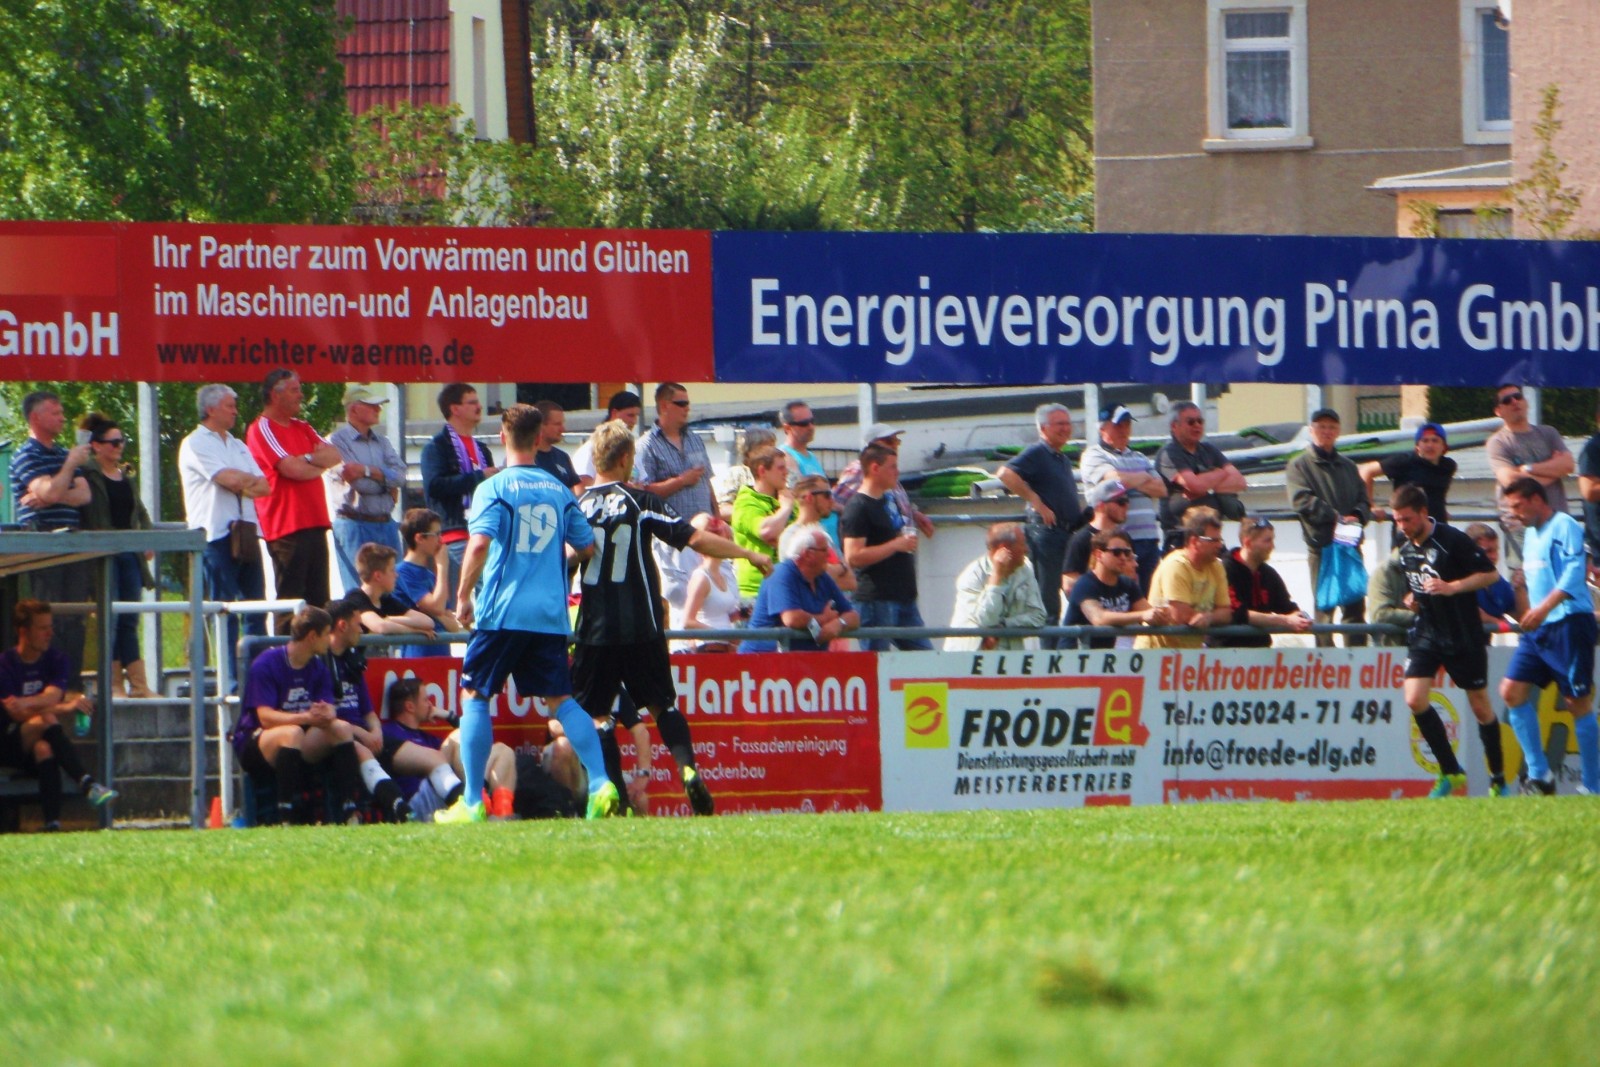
[(1427, 468), (368, 481), (1110, 503), (879, 433), (1110, 459)]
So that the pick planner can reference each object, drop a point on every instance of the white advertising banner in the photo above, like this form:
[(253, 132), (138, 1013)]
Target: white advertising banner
[(1063, 729)]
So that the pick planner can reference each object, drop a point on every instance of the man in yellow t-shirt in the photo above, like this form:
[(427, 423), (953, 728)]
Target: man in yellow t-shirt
[(1191, 583)]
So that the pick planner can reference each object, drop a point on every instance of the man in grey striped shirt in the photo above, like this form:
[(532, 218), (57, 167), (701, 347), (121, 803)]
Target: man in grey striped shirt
[(672, 463), (368, 482), (1109, 459)]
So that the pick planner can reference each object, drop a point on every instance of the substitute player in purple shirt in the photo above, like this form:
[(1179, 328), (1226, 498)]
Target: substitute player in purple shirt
[(34, 680), (288, 719)]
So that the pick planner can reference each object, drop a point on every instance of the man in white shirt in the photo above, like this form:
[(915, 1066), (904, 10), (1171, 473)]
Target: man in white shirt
[(221, 481), (624, 405)]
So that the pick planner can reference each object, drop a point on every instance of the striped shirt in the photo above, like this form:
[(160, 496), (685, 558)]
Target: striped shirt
[(34, 459), (293, 505), (1100, 459), (659, 459)]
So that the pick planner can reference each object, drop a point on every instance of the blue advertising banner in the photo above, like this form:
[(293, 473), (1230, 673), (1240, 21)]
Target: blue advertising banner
[(1023, 309)]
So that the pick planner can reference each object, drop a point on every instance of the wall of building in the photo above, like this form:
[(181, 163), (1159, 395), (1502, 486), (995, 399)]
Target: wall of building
[(1555, 42), (477, 66), (1384, 95)]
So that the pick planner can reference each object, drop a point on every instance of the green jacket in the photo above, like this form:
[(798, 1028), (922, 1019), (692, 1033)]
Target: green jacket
[(97, 513), (1322, 489), (1386, 594)]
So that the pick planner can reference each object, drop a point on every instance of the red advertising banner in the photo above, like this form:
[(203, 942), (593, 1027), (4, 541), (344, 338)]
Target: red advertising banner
[(772, 733), (202, 302)]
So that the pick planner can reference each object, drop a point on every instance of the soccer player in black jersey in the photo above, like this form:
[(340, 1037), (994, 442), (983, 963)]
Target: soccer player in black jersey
[(621, 621), (1444, 570)]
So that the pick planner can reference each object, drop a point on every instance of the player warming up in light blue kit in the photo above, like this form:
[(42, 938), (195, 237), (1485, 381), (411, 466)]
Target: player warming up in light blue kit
[(521, 523), (1558, 636)]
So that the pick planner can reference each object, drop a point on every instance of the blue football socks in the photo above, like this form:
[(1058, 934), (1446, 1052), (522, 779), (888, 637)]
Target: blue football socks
[(1525, 724), (585, 740), (1588, 731), (477, 738)]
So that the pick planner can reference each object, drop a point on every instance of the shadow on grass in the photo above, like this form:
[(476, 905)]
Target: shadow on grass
[(1081, 985)]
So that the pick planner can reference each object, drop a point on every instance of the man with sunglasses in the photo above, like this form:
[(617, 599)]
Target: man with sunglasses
[(1256, 592), (1196, 472), (1191, 584), (799, 429), (1110, 503), (1520, 449), (672, 461), (1108, 593)]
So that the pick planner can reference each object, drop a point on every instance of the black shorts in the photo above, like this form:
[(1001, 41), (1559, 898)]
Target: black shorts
[(1468, 667), (391, 745), (12, 753), (251, 759), (538, 796), (599, 671)]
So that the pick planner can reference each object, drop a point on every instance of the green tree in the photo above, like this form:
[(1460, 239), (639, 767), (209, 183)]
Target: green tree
[(655, 144), (425, 165), (179, 110), (967, 116), (979, 114), (223, 110), (1543, 200)]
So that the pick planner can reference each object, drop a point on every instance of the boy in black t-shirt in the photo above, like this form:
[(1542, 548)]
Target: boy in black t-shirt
[(379, 610)]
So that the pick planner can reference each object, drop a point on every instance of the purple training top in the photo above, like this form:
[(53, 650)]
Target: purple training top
[(19, 679), (350, 679), (398, 733), (274, 683)]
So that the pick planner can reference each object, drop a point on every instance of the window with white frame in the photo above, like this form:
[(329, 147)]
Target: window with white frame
[(1257, 68), (1485, 73)]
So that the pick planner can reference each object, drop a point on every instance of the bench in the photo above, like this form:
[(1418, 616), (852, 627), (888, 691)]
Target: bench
[(17, 786)]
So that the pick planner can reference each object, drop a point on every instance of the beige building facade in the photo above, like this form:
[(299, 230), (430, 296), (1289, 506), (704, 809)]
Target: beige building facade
[(1244, 116), (1278, 117), (1557, 42)]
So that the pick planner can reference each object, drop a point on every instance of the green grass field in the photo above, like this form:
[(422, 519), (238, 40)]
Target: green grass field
[(1381, 932)]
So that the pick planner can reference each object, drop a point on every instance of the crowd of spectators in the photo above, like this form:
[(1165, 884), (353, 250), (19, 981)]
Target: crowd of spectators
[(1124, 539)]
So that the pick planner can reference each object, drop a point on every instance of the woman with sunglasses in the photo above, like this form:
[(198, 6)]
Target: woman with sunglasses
[(114, 505)]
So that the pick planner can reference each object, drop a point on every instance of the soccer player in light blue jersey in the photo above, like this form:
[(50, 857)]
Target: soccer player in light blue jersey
[(1558, 635), (521, 523)]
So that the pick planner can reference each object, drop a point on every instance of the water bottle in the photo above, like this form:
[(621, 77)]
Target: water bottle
[(80, 724)]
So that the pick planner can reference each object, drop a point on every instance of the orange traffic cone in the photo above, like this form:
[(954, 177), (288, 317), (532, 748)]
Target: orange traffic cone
[(215, 821)]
